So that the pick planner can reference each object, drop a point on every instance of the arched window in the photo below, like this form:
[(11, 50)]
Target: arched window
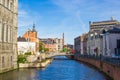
[(11, 5)]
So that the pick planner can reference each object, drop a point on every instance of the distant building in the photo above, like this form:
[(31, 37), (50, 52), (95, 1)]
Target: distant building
[(53, 44), (30, 42), (25, 46), (95, 43), (8, 34), (77, 45), (83, 43), (80, 44), (100, 25), (70, 46), (31, 35), (111, 42)]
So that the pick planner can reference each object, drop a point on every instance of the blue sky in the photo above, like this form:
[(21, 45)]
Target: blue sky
[(53, 17)]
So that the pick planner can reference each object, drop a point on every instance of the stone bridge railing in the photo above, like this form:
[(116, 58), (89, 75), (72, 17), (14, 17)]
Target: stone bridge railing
[(57, 54)]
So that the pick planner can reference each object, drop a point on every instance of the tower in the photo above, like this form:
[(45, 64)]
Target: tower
[(34, 30), (63, 39)]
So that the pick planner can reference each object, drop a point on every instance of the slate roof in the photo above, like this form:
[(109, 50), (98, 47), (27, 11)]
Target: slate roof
[(21, 39), (114, 30)]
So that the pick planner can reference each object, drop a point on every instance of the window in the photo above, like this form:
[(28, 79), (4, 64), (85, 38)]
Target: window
[(11, 4), (5, 32), (0, 31), (3, 64), (7, 3), (8, 34), (11, 34), (118, 43), (11, 61)]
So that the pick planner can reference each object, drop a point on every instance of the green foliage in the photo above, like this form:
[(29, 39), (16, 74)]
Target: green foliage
[(21, 59), (28, 53), (42, 48), (64, 49), (46, 49)]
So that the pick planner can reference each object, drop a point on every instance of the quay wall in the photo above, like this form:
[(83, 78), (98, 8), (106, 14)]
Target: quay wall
[(111, 70), (35, 64)]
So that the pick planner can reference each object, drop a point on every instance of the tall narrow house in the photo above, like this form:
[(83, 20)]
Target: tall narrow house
[(8, 34)]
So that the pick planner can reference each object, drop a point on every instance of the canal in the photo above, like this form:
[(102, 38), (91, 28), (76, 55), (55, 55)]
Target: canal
[(59, 69)]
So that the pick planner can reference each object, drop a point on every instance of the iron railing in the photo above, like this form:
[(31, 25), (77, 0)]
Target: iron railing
[(110, 60)]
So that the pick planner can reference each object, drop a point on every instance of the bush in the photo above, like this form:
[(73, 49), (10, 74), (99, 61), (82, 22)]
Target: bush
[(28, 53), (21, 59)]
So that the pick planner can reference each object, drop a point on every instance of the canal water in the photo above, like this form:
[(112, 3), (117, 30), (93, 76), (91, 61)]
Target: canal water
[(59, 69)]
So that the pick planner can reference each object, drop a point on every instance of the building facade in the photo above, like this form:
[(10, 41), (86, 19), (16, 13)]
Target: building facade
[(100, 25), (8, 34), (94, 43), (24, 46), (83, 43), (53, 44), (77, 45), (111, 42), (30, 40)]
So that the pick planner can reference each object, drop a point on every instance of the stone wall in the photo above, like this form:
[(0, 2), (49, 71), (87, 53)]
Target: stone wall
[(35, 65), (111, 70)]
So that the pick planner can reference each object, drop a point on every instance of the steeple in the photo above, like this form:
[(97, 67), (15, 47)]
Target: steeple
[(34, 28)]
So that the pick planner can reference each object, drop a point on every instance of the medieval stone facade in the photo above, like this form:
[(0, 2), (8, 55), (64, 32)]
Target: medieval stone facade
[(8, 34)]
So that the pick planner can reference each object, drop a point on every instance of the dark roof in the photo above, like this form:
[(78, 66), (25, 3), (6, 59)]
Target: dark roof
[(114, 30), (34, 30), (48, 41), (21, 39)]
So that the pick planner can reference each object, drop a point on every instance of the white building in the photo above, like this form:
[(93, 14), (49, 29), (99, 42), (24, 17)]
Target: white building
[(26, 46), (111, 42), (94, 43)]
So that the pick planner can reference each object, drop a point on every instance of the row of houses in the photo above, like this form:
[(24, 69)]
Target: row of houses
[(103, 38), (30, 42)]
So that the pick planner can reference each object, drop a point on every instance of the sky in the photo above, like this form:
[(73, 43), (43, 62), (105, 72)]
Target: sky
[(71, 17)]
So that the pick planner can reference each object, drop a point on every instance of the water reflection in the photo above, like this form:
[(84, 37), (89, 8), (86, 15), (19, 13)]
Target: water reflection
[(58, 70)]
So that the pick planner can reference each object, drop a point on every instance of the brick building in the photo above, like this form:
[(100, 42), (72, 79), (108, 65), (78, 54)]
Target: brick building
[(29, 39)]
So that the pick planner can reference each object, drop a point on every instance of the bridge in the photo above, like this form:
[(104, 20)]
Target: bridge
[(50, 55)]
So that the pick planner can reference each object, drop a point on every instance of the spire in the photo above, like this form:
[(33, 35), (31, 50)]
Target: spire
[(34, 27), (112, 18)]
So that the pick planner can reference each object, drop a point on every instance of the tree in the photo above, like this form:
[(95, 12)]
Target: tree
[(41, 47), (64, 49)]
